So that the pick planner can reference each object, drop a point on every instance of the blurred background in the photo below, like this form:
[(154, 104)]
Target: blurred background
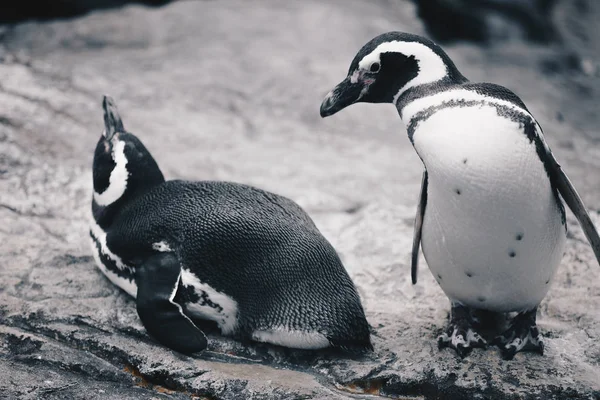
[(230, 90)]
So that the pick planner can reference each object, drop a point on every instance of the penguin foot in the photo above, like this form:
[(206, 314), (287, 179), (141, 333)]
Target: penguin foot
[(522, 335), (462, 340), (460, 334)]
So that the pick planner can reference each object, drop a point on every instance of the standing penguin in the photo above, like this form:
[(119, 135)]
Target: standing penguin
[(490, 217), (249, 260)]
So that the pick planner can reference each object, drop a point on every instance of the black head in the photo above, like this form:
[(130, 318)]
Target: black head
[(386, 67), (122, 166)]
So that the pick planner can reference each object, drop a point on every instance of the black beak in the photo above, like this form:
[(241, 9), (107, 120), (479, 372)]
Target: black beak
[(343, 95), (112, 119)]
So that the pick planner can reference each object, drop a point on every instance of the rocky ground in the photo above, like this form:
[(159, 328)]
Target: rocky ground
[(230, 90)]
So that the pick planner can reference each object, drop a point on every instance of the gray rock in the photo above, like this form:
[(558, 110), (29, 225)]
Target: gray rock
[(231, 90)]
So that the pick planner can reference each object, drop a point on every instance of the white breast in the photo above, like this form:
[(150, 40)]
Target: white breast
[(492, 232)]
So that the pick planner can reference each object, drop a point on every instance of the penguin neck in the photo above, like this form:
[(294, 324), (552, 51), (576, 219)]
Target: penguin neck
[(128, 180), (104, 215), (416, 93), (436, 73)]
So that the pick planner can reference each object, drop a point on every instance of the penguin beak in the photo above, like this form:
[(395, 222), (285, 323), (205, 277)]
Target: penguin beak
[(112, 119), (343, 95)]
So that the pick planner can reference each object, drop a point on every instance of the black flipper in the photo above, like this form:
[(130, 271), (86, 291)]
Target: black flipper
[(157, 281), (571, 197), (418, 228), (112, 119)]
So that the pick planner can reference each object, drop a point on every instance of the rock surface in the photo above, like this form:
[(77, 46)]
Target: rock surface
[(230, 90)]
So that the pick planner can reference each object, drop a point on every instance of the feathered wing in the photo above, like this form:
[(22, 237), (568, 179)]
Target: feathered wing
[(418, 228), (157, 280), (573, 200)]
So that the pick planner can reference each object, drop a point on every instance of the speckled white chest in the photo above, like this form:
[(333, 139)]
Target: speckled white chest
[(492, 233)]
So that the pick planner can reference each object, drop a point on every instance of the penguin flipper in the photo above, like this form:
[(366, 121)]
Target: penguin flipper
[(418, 228), (573, 200), (157, 280)]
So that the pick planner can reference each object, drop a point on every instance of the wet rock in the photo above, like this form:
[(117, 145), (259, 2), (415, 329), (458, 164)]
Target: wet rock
[(229, 90)]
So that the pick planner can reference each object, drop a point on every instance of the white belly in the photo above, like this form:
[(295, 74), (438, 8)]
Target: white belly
[(128, 285), (100, 250), (492, 233)]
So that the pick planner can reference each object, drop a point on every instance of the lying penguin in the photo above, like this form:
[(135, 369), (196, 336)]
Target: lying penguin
[(249, 260), (490, 217)]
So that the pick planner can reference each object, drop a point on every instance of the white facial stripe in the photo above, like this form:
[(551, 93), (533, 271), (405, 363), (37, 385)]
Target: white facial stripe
[(226, 318), (354, 77), (431, 66), (294, 339), (118, 176), (421, 104)]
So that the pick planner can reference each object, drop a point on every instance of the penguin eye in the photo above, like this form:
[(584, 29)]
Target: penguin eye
[(375, 67)]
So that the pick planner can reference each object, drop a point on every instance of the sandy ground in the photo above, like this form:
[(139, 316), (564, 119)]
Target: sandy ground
[(230, 90)]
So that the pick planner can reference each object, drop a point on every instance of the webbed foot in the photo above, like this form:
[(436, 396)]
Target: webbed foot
[(522, 335), (460, 334)]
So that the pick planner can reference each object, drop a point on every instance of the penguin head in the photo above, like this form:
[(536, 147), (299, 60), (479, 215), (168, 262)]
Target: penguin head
[(122, 165), (386, 67)]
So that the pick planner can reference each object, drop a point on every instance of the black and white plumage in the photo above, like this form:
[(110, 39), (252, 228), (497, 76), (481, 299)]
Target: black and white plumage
[(249, 260), (490, 219)]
